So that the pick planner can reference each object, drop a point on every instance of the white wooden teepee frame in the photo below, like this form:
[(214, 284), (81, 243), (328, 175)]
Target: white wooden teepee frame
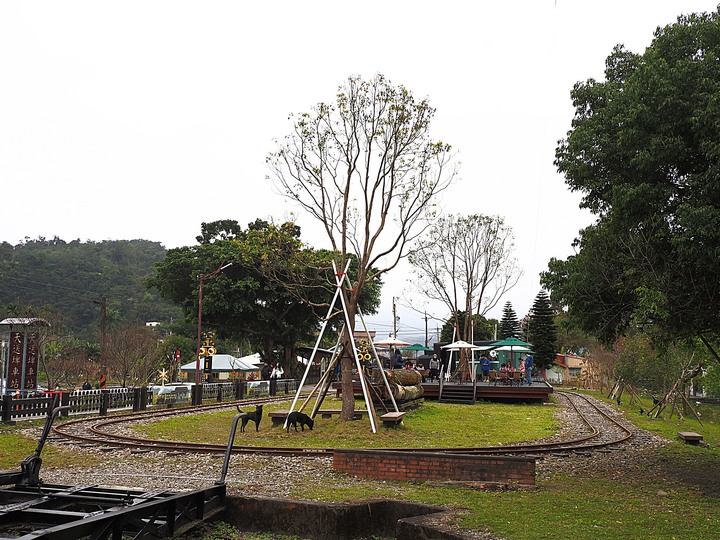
[(323, 385)]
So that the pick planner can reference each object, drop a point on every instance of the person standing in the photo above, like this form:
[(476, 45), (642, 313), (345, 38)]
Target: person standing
[(397, 360), (528, 368), (434, 368), (485, 363)]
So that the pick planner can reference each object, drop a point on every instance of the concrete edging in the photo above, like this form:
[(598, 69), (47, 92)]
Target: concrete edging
[(311, 519)]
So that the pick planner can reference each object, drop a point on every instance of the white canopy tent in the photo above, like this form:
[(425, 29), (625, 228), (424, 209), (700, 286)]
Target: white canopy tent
[(226, 363), (391, 342), (460, 344)]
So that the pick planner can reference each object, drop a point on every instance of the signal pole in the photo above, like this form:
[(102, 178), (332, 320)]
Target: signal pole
[(199, 332)]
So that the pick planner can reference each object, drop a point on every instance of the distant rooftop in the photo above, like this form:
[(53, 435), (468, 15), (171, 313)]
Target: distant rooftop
[(24, 321)]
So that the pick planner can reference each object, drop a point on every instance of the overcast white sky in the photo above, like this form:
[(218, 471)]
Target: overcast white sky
[(127, 120)]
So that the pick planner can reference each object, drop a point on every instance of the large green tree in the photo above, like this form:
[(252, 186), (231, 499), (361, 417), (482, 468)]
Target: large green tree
[(272, 296), (644, 151), (366, 168), (482, 329)]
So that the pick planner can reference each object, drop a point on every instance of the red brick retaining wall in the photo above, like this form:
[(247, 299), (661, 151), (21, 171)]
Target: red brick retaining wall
[(424, 466)]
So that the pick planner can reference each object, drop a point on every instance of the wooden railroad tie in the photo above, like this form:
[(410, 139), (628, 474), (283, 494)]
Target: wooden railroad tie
[(690, 437)]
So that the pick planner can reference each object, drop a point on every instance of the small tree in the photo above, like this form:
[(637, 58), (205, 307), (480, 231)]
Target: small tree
[(133, 353), (509, 323), (542, 331), (366, 168), (711, 381)]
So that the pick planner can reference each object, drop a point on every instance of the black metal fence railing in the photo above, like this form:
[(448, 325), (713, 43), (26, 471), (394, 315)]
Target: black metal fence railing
[(283, 386), (102, 402), (84, 401)]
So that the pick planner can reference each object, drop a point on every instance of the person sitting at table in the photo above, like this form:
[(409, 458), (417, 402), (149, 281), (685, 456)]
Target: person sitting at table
[(521, 365), (503, 367)]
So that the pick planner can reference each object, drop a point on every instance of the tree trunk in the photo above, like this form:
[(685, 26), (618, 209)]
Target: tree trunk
[(347, 367)]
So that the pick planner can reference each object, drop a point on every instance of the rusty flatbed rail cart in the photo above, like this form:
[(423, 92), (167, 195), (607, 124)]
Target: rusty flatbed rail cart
[(31, 509)]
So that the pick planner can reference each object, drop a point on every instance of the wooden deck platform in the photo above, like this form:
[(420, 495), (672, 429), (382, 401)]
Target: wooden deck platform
[(539, 390)]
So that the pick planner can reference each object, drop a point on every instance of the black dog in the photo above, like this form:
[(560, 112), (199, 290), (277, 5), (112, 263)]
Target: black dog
[(255, 416), (295, 418)]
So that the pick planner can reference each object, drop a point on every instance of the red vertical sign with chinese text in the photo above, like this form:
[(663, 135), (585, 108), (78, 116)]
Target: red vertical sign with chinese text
[(17, 344), (32, 359)]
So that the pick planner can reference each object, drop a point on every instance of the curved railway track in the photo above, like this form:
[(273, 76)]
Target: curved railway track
[(599, 428)]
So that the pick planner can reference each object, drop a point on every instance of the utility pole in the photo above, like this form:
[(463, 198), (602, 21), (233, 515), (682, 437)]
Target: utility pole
[(103, 333), (394, 320), (426, 329)]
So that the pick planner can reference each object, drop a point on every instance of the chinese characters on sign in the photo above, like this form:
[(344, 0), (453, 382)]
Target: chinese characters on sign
[(23, 360), (31, 361), (17, 340)]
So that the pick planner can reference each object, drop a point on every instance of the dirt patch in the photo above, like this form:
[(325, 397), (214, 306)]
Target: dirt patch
[(698, 471)]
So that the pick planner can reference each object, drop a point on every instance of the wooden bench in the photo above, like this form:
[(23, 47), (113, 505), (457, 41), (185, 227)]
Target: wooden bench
[(329, 413), (278, 417), (392, 419), (690, 437)]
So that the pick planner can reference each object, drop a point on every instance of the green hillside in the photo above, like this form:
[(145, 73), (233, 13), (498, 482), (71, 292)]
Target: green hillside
[(67, 280)]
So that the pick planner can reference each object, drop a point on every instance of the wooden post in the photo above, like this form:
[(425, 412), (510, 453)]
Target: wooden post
[(104, 402), (7, 408), (196, 394)]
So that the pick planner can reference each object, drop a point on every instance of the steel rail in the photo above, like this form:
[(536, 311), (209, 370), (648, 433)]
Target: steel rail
[(585, 442)]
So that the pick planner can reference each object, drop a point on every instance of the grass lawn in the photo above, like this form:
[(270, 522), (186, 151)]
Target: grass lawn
[(672, 493), (661, 502), (16, 444), (431, 425)]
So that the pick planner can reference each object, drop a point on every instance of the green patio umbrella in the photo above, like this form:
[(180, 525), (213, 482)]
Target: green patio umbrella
[(417, 348), (512, 343)]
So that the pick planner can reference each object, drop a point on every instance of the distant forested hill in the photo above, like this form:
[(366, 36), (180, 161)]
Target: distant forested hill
[(69, 279)]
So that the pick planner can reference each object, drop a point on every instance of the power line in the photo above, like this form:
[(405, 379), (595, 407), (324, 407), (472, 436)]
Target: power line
[(46, 284)]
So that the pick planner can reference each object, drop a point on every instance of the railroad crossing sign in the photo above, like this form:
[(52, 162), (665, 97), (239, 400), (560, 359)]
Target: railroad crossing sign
[(207, 351)]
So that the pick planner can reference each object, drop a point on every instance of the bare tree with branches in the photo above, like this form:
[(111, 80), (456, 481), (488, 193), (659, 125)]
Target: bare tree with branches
[(366, 168), (134, 354), (465, 262)]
